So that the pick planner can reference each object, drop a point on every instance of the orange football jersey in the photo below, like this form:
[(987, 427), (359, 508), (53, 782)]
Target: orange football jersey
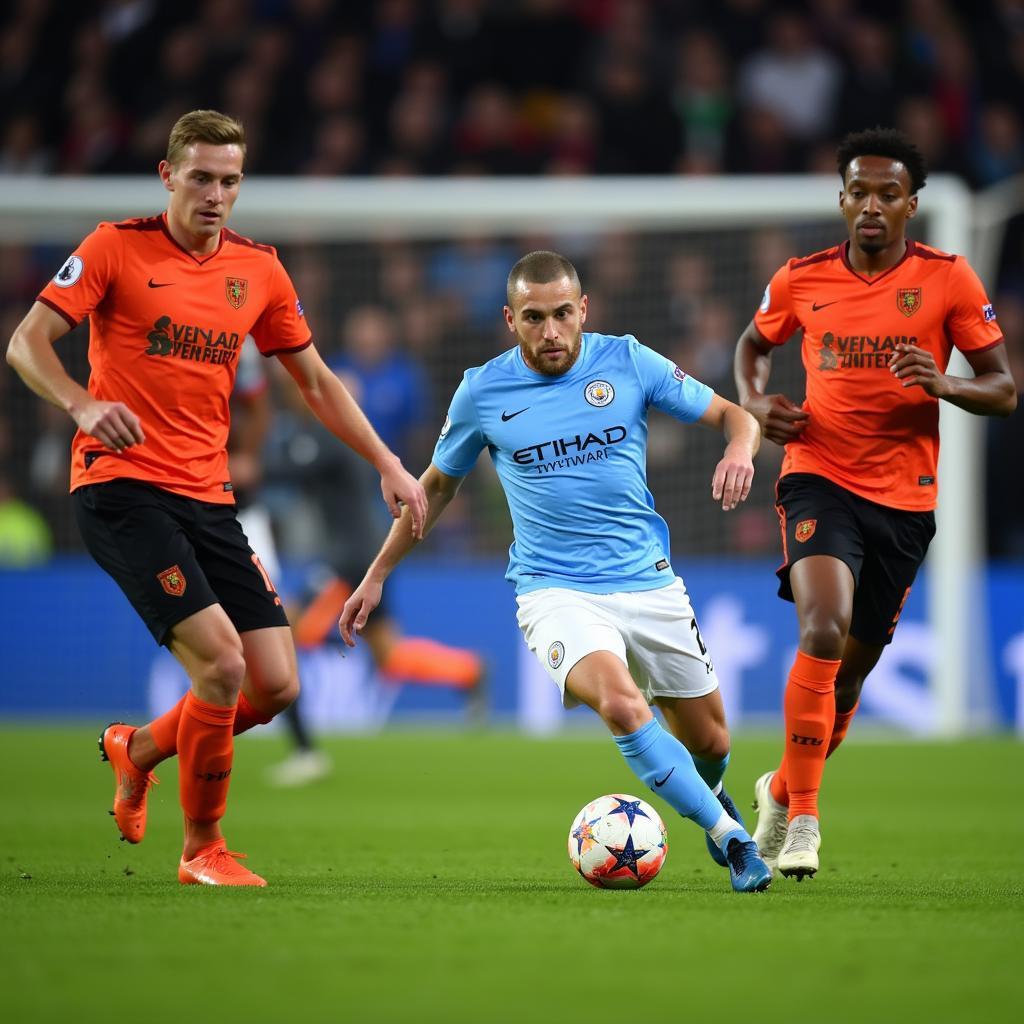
[(165, 331), (865, 431)]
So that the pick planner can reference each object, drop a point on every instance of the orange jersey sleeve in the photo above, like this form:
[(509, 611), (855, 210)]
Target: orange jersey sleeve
[(165, 331), (775, 317), (866, 432)]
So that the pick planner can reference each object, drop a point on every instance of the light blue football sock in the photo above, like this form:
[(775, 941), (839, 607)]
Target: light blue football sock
[(664, 765), (712, 772)]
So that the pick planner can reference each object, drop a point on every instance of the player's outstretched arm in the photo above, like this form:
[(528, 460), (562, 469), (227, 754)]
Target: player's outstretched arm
[(734, 473), (991, 392), (31, 354), (339, 412), (780, 419), (439, 489)]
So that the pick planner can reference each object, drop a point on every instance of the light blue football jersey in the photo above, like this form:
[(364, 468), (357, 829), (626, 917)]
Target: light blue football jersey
[(571, 453)]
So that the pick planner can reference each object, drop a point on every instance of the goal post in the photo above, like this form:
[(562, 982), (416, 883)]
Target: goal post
[(714, 218)]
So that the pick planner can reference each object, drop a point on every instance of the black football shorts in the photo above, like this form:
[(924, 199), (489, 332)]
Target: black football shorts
[(173, 556), (884, 547)]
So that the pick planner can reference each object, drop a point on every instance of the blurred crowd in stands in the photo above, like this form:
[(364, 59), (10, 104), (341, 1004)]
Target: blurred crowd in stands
[(499, 87)]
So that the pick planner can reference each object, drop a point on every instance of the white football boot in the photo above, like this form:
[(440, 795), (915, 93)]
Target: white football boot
[(772, 820), (799, 854)]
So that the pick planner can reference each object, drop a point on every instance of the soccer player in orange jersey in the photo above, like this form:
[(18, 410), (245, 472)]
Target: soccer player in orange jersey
[(880, 317), (170, 300)]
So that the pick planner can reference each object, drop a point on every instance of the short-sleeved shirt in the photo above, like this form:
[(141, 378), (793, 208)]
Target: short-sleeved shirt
[(866, 432), (165, 330), (571, 454)]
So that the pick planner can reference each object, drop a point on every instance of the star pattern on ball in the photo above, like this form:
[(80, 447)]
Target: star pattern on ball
[(584, 833), (627, 857), (630, 808)]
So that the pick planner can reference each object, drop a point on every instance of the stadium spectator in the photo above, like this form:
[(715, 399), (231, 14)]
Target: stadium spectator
[(793, 78), (858, 486)]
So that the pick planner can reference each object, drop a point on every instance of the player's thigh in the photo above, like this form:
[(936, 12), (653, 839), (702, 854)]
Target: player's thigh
[(270, 662), (897, 544), (817, 517), (561, 627), (235, 572), (210, 650), (141, 536), (697, 722), (665, 650)]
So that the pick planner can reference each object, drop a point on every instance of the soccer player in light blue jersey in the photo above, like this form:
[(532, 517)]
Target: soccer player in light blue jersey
[(564, 417)]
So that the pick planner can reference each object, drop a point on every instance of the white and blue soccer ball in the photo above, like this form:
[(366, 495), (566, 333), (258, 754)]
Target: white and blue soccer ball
[(618, 842)]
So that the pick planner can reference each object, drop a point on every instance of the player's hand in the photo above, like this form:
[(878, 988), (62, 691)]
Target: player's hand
[(401, 488), (732, 479), (113, 424), (914, 366), (781, 420), (357, 610)]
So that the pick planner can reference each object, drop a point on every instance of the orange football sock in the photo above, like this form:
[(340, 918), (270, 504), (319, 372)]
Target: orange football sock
[(205, 750), (839, 730), (418, 660), (779, 784), (809, 709), (246, 716), (164, 729)]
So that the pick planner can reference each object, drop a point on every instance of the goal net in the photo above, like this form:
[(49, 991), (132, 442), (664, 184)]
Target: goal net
[(679, 263)]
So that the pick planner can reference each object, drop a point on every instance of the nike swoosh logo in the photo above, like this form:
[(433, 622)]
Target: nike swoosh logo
[(658, 783), (815, 307), (153, 284), (506, 416)]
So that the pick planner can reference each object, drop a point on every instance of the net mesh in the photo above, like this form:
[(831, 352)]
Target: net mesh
[(688, 294)]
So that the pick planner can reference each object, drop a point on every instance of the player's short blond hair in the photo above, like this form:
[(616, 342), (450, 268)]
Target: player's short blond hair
[(203, 126)]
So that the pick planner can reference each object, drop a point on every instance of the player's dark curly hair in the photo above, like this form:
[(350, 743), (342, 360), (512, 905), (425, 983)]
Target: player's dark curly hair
[(888, 142)]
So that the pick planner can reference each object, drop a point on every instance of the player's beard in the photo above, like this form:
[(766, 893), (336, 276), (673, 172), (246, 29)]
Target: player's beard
[(539, 367)]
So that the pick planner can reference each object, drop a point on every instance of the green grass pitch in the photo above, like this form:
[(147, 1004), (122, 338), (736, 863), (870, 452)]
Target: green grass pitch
[(427, 880)]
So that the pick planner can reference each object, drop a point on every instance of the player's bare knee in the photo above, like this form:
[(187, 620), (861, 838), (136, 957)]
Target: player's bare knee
[(219, 680), (281, 695), (713, 746), (823, 637), (622, 710)]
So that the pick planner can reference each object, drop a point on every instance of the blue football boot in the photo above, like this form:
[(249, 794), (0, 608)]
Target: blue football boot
[(747, 869), (730, 808)]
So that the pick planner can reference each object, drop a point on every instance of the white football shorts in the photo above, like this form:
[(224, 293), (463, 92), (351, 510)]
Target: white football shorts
[(653, 632)]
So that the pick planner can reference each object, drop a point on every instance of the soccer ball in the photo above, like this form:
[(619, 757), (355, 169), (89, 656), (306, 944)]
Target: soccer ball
[(618, 842)]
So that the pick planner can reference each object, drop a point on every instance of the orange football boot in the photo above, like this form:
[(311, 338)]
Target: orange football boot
[(216, 865), (132, 784)]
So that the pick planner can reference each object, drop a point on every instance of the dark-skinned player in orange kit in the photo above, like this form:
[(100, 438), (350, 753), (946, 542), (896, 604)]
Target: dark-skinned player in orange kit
[(880, 316), (170, 300)]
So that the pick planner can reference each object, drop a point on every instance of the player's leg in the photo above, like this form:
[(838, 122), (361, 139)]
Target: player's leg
[(699, 724), (672, 665), (580, 645), (824, 548), (137, 534)]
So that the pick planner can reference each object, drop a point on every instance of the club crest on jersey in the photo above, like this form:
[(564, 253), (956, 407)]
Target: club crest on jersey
[(599, 393), (172, 580), (237, 289), (556, 653), (69, 273), (805, 530), (908, 300)]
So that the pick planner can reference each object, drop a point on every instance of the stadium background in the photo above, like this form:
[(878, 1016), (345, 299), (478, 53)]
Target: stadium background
[(468, 88)]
